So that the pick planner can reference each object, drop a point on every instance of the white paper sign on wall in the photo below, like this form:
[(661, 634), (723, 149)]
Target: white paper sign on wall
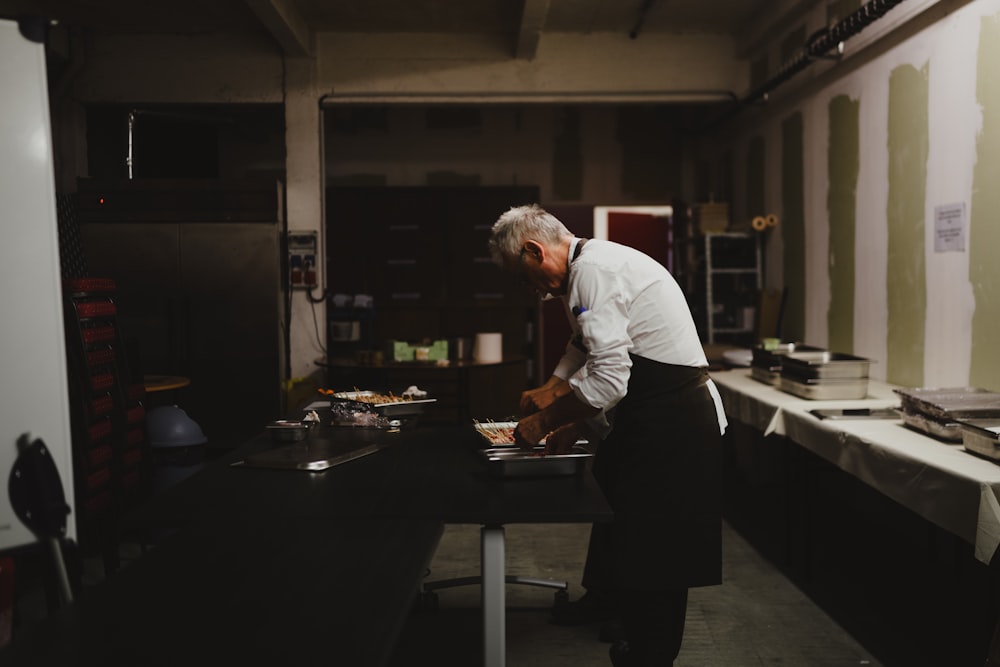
[(949, 227)]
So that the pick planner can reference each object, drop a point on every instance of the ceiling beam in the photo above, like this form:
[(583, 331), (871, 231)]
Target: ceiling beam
[(532, 22), (283, 20)]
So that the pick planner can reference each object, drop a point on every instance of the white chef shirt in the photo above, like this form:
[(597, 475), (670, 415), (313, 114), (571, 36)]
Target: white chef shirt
[(622, 301)]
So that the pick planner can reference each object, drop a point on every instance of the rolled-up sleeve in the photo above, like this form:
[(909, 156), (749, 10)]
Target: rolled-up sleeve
[(602, 323)]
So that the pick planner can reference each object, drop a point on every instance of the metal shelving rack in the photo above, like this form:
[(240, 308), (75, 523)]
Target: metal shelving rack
[(712, 271)]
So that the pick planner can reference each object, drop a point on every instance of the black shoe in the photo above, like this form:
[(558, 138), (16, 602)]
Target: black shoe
[(590, 608), (620, 654)]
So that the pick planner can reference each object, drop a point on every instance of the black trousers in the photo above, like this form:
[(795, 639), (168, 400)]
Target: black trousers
[(653, 622)]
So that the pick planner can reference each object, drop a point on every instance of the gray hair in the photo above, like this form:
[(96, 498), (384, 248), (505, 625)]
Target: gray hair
[(521, 223)]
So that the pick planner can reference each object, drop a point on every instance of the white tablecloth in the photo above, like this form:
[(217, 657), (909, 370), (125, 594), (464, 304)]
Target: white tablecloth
[(941, 482)]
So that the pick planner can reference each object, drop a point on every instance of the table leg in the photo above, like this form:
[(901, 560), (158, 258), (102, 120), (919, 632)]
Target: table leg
[(493, 568)]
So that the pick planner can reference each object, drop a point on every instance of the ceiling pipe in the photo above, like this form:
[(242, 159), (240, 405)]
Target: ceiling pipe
[(643, 10), (824, 44)]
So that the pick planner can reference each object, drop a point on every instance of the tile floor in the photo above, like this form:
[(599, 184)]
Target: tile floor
[(756, 617)]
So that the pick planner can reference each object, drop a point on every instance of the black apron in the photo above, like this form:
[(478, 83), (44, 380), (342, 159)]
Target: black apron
[(661, 471)]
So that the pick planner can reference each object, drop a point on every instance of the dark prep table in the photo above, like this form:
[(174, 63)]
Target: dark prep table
[(274, 563)]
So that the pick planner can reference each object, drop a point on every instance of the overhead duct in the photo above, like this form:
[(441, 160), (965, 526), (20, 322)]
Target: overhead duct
[(823, 44), (634, 32)]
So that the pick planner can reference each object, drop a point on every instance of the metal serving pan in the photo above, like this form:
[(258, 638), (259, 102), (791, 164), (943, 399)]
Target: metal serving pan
[(943, 430), (400, 408), (819, 390), (289, 431), (765, 365), (951, 403), (769, 376), (824, 365), (982, 436), (855, 413), (770, 358), (513, 462)]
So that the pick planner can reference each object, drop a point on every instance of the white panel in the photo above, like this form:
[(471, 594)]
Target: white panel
[(33, 381)]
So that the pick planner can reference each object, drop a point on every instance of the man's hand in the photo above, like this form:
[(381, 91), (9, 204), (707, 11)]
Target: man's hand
[(536, 400), (561, 440), (530, 431)]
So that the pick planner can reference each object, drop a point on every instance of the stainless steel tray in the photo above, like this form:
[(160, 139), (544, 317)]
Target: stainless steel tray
[(770, 359), (289, 431), (819, 390), (400, 408), (301, 457), (855, 413), (951, 403), (944, 430), (765, 375), (513, 462), (824, 365), (982, 436)]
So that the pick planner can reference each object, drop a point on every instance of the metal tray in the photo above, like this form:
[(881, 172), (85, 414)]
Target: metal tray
[(951, 403), (485, 429), (982, 436), (855, 413), (289, 431), (824, 365), (509, 462), (300, 457), (770, 359), (401, 408), (819, 390), (943, 430), (766, 375)]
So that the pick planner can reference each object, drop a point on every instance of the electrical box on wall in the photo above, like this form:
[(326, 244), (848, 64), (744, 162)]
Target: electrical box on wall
[(302, 259)]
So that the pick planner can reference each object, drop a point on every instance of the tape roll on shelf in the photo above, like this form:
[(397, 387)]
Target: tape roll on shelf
[(488, 348)]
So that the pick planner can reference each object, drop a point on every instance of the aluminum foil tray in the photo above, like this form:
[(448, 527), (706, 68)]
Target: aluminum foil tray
[(951, 403), (400, 408), (944, 430), (820, 390), (982, 436), (513, 462)]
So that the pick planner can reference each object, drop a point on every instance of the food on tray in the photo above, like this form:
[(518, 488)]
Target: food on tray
[(373, 397), (497, 433)]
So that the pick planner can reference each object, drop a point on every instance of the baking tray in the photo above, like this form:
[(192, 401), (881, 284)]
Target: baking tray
[(824, 365), (982, 436), (302, 457), (951, 403), (819, 390), (514, 462), (400, 408), (950, 431)]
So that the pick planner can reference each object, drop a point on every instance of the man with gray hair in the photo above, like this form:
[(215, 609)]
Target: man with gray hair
[(634, 377)]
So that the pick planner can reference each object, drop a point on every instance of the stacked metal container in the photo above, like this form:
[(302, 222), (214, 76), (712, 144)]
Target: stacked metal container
[(969, 415)]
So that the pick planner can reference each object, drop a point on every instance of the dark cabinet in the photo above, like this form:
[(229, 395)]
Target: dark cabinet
[(421, 253)]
